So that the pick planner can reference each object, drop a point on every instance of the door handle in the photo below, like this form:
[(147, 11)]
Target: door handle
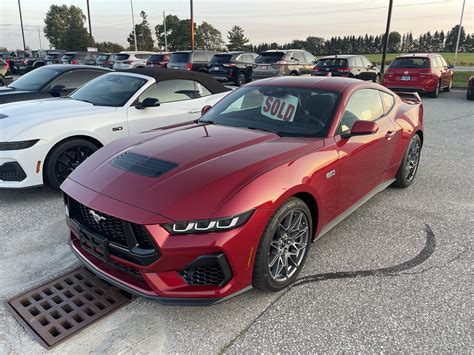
[(194, 111), (389, 134)]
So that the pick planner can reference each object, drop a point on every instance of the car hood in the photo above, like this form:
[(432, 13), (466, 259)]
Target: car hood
[(207, 165), (17, 117)]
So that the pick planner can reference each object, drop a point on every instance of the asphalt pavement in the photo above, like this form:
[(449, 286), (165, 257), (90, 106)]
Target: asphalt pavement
[(396, 276)]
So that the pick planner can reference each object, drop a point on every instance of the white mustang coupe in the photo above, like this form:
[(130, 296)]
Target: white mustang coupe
[(43, 141)]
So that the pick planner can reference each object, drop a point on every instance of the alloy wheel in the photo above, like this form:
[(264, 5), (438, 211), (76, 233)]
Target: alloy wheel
[(241, 79), (69, 160), (412, 161), (288, 245)]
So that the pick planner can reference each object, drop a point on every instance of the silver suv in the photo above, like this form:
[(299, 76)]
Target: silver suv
[(130, 60), (283, 62)]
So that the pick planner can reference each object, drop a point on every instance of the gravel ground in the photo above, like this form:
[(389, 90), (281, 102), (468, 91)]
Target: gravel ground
[(395, 276)]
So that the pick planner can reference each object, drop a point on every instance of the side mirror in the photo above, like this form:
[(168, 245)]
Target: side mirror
[(205, 109), (56, 90), (362, 128), (148, 102)]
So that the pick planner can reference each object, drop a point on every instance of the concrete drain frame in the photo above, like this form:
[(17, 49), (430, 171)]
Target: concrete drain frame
[(64, 306)]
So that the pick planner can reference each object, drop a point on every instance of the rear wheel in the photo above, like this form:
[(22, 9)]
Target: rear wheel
[(64, 158), (434, 94), (470, 94), (409, 166), (240, 78), (284, 246)]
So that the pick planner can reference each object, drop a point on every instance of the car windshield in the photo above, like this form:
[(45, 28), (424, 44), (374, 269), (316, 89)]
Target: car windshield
[(156, 58), (122, 57), (179, 57), (51, 56), (411, 62), (109, 90), (286, 111), (221, 58), (35, 79), (103, 57), (269, 57), (332, 63), (68, 56)]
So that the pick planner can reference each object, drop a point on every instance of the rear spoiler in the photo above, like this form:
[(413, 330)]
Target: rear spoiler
[(409, 97)]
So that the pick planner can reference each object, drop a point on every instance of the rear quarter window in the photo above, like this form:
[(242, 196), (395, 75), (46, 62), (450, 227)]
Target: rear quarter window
[(179, 57), (387, 101)]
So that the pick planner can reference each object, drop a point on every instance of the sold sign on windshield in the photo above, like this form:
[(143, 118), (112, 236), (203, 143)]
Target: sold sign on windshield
[(280, 108)]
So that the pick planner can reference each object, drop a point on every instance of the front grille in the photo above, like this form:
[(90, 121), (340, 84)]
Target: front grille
[(207, 275), (123, 239), (207, 270), (12, 172)]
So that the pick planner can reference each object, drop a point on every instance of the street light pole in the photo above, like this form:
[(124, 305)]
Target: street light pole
[(21, 23), (166, 35), (133, 24), (385, 43), (90, 27), (192, 25), (459, 34)]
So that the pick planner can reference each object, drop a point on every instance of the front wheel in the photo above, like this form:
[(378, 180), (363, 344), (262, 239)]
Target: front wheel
[(284, 246), (377, 79), (64, 158), (409, 166)]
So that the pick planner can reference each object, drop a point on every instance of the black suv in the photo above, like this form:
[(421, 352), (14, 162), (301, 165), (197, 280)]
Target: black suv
[(189, 60), (232, 66), (351, 66)]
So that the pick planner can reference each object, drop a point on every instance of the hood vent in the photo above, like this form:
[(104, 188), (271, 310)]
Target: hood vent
[(142, 165)]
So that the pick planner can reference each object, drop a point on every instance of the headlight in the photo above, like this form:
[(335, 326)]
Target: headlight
[(208, 225), (18, 145)]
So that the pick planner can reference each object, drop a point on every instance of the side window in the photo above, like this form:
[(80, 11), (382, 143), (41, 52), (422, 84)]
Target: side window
[(240, 58), (175, 90), (199, 57), (443, 62), (74, 79), (387, 101), (309, 57), (364, 104), (358, 62), (366, 62), (299, 57)]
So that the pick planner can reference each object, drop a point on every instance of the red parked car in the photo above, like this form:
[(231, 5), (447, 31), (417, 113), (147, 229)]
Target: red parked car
[(425, 73), (159, 60), (197, 213)]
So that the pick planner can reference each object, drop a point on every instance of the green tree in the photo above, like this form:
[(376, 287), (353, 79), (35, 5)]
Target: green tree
[(109, 47), (394, 40), (237, 39), (208, 37), (144, 37), (451, 38), (64, 28), (178, 31)]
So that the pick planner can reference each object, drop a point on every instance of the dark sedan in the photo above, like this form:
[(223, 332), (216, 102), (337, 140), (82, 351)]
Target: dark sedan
[(49, 81)]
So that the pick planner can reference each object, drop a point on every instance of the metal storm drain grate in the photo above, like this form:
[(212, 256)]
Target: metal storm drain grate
[(64, 306)]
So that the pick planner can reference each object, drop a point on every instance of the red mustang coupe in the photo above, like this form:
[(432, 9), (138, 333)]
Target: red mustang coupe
[(197, 213)]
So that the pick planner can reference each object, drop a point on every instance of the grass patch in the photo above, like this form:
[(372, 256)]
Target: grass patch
[(461, 78)]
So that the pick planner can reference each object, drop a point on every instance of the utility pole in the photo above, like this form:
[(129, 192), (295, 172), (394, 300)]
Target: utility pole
[(133, 24), (166, 34), (459, 34), (192, 25), (90, 27), (385, 43), (39, 37), (21, 23)]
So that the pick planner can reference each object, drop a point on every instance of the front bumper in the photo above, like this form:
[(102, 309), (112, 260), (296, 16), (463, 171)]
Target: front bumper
[(24, 162), (178, 275)]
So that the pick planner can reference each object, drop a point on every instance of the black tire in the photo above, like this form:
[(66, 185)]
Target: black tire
[(64, 158), (240, 78), (294, 73), (448, 88), (434, 94), (377, 79), (409, 165), (2, 81), (263, 277)]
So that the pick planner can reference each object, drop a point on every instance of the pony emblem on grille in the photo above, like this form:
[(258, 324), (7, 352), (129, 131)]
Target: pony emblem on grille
[(97, 217)]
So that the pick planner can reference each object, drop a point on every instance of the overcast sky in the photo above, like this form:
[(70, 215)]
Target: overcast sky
[(263, 20)]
